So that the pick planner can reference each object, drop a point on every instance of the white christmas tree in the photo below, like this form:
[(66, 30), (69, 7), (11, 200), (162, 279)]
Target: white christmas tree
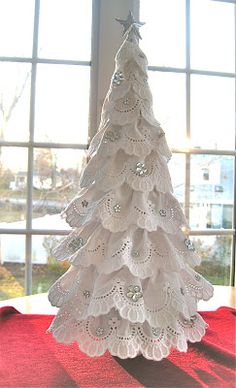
[(131, 288)]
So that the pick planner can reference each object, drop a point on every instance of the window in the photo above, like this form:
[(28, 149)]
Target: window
[(192, 77), (53, 80), (45, 68)]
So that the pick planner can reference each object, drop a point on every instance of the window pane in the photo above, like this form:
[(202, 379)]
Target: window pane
[(62, 103), (211, 199), (169, 105), (14, 101), (215, 252), (13, 182), (164, 32), (212, 112), (55, 182), (46, 270), (16, 28), (177, 171), (212, 35), (12, 278), (65, 29)]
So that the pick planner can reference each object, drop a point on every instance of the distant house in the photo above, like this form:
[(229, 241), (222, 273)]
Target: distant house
[(20, 181), (211, 188)]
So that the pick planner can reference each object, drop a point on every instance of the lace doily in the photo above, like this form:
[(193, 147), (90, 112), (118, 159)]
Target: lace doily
[(114, 171), (124, 207), (134, 139), (158, 300), (124, 339), (142, 252)]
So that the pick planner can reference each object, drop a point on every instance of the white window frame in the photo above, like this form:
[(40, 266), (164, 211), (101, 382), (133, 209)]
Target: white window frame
[(188, 71)]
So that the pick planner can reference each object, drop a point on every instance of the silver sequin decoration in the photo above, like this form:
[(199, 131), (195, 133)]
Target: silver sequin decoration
[(76, 243), (99, 331), (140, 169), (135, 253), (126, 101), (198, 277), (86, 293), (190, 321), (193, 318), (189, 244), (111, 136), (134, 293), (162, 212), (117, 208), (156, 331), (118, 78)]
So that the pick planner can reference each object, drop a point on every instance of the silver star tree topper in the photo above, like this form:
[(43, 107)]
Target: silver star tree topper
[(130, 21)]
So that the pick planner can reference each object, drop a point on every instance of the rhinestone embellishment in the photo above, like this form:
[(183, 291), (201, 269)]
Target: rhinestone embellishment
[(99, 331), (134, 293), (198, 277), (86, 293), (155, 331), (135, 253), (117, 208), (111, 136), (118, 78), (76, 243), (84, 203), (189, 244), (190, 322), (162, 212), (140, 169)]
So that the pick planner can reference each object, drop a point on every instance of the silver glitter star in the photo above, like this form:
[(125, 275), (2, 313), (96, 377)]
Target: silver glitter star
[(130, 22)]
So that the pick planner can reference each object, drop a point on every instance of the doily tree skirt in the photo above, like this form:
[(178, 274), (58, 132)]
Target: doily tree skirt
[(131, 288)]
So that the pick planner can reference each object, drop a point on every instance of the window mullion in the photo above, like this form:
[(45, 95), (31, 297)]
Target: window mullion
[(187, 156), (233, 259), (28, 258)]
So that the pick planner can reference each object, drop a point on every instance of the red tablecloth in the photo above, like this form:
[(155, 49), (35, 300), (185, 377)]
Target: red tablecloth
[(31, 358)]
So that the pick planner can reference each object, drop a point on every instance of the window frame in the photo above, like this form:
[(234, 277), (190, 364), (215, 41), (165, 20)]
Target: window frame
[(188, 71), (31, 145)]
